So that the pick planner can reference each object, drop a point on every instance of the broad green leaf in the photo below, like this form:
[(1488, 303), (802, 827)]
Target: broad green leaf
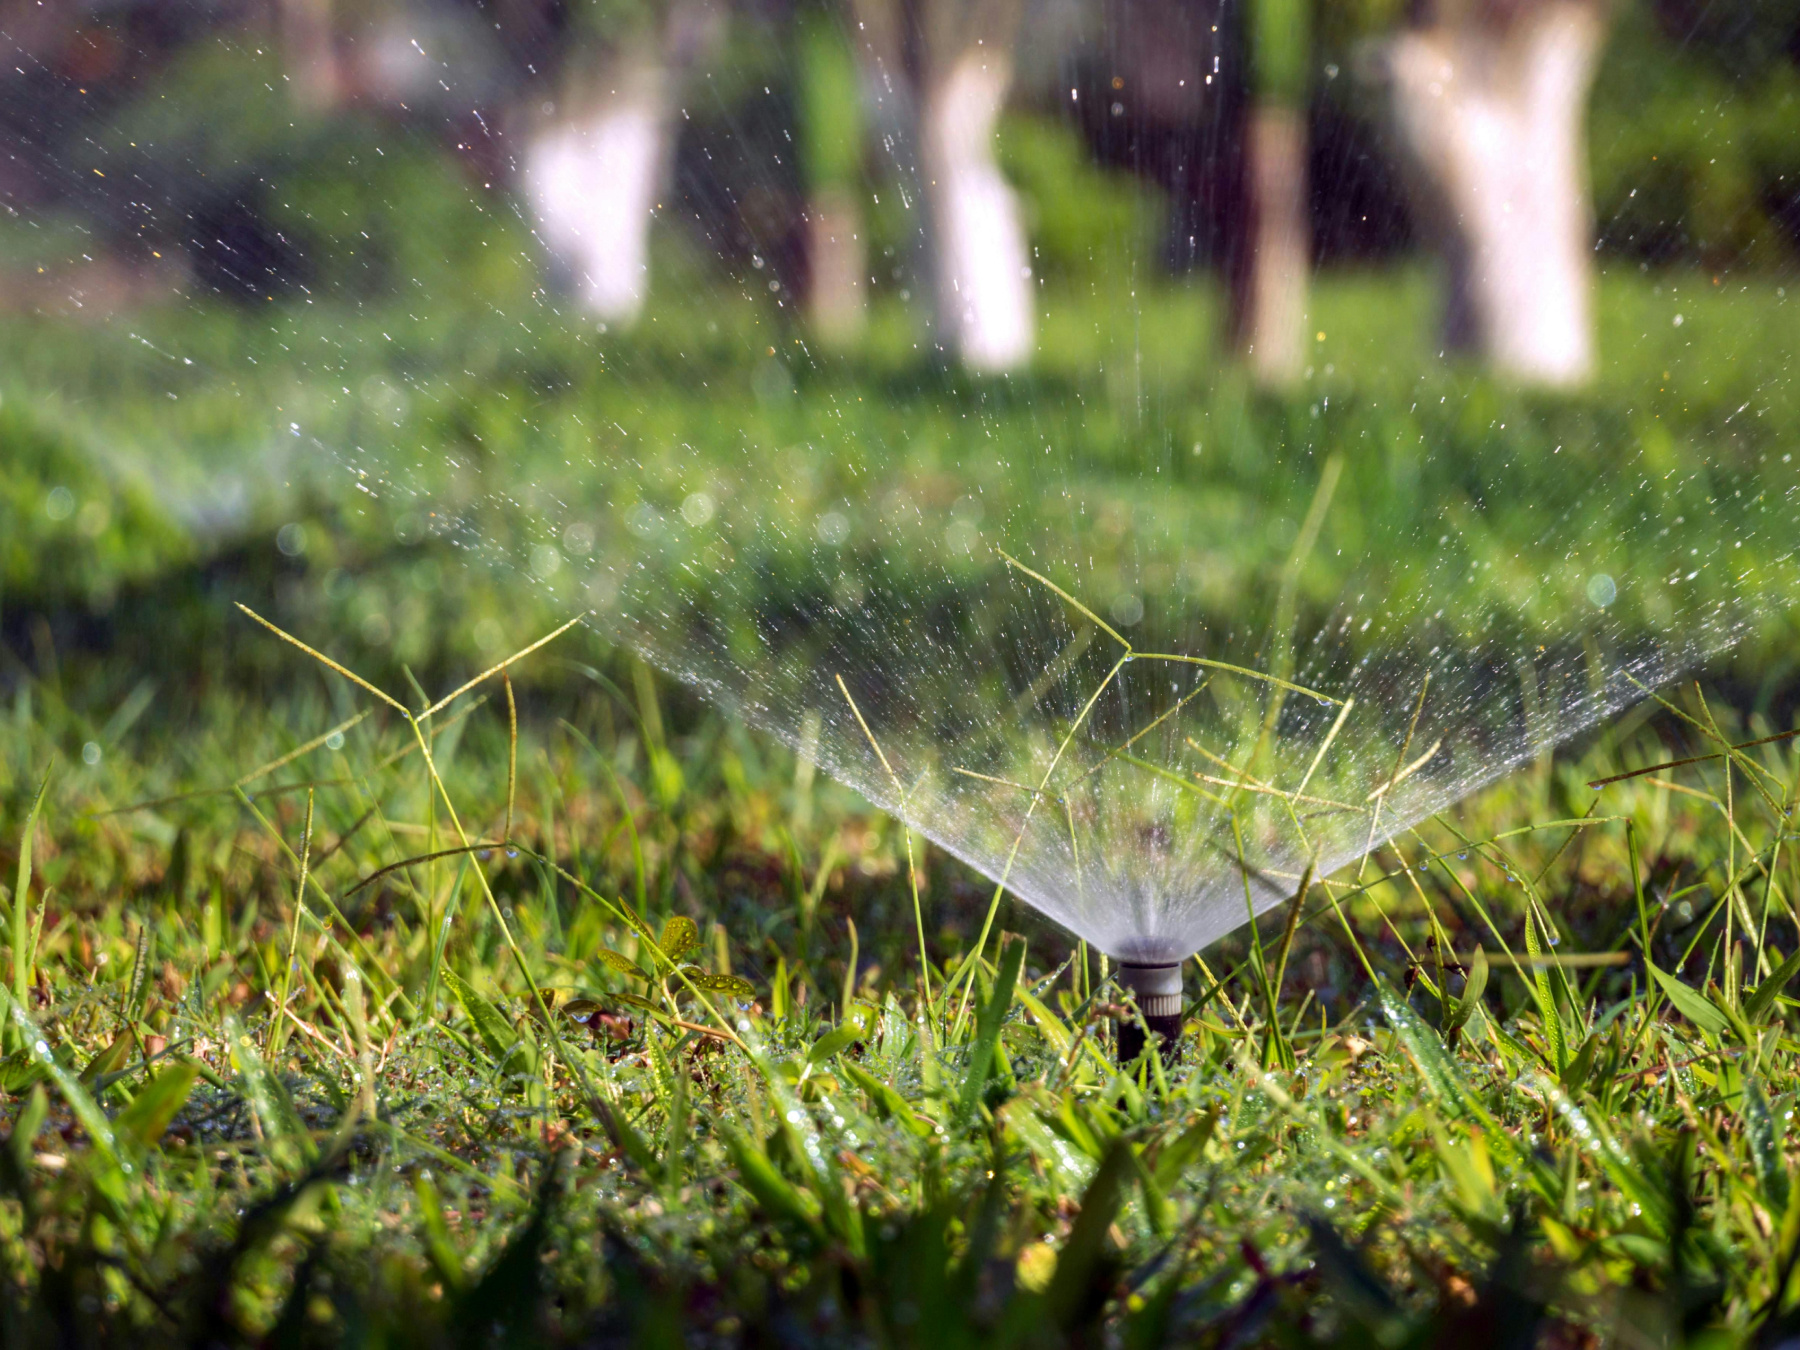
[(510, 1052), (620, 962), (1465, 1161), (1054, 1029), (439, 1249), (1691, 1003), (832, 1042), (1442, 1077), (1071, 1168), (1539, 982), (679, 937), (1157, 1210), (1087, 1239), (150, 1112), (25, 1127), (1581, 1066), (719, 984), (626, 1139), (267, 1095), (1589, 1135), (85, 1109), (1178, 1154), (639, 1001), (108, 1062)]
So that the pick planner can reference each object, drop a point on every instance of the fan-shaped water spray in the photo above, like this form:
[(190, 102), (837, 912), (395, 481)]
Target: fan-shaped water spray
[(1152, 793), (1140, 643)]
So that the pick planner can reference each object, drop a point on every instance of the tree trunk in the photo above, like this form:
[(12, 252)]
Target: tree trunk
[(1270, 299), (836, 262), (309, 52), (1490, 103), (981, 261), (595, 168), (831, 148), (592, 177)]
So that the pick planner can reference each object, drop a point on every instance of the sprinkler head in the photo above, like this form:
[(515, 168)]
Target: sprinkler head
[(1158, 993)]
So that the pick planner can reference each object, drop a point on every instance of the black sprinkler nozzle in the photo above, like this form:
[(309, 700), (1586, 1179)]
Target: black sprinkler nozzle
[(1157, 990)]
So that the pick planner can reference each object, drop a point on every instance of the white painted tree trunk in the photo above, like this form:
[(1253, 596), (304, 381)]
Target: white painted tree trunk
[(309, 51), (836, 258), (1272, 318), (1493, 114), (982, 263), (593, 176)]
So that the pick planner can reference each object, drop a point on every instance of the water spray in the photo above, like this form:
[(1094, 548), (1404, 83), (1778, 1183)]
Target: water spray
[(1157, 992)]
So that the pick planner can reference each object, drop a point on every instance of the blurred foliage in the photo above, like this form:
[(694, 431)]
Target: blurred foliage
[(1196, 521), (1086, 223), (70, 532), (267, 197), (1695, 134), (1280, 42), (831, 120)]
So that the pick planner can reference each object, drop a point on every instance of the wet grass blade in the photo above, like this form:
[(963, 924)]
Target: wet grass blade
[(21, 898), (987, 1026), (1766, 1149)]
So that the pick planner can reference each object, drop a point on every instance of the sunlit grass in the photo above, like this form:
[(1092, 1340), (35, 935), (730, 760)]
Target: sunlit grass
[(622, 1024)]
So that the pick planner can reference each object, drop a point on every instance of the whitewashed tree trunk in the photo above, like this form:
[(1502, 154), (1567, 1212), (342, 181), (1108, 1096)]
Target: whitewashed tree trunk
[(592, 176), (1491, 107), (1272, 318), (836, 258), (982, 263), (309, 51)]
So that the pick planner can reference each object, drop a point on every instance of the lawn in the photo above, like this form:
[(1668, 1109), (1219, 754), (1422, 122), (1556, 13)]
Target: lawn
[(653, 1060), (635, 1026)]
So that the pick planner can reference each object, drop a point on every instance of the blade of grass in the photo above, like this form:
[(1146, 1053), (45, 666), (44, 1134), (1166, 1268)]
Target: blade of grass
[(21, 906)]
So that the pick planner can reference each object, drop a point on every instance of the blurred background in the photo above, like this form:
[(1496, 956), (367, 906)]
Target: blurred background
[(259, 256)]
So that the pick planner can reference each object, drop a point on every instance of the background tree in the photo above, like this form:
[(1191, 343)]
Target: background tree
[(831, 152), (308, 35), (1489, 100), (941, 71), (1269, 273), (597, 155)]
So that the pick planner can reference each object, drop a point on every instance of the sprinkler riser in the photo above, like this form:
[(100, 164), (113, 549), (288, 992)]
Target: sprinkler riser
[(1157, 991)]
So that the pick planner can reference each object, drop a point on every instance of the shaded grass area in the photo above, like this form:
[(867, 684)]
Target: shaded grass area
[(268, 1080), (153, 461)]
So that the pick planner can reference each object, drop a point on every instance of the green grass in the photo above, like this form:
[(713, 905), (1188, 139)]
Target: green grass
[(1362, 1152), (1129, 445), (413, 1151)]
